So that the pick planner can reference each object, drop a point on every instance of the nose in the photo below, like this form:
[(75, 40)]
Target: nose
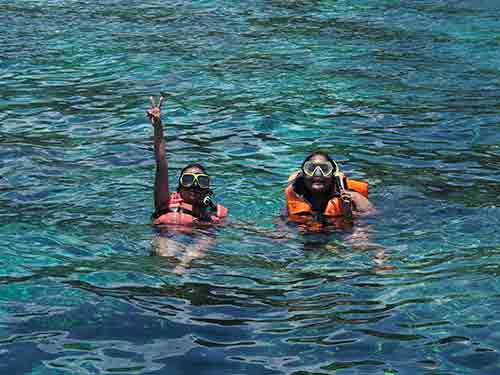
[(317, 172)]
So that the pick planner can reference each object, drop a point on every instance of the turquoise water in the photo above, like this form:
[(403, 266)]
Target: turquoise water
[(404, 94)]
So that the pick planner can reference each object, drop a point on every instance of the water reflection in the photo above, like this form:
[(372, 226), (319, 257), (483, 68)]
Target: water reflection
[(183, 244)]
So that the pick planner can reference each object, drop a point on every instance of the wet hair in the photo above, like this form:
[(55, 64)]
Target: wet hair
[(316, 153), (193, 165)]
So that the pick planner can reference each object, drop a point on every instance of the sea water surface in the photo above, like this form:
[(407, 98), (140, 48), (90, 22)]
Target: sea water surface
[(404, 94)]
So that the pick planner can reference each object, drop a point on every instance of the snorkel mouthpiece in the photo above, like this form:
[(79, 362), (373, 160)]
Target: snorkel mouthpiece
[(208, 202)]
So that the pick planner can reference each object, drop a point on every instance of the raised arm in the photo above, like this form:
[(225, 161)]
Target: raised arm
[(362, 204), (161, 194)]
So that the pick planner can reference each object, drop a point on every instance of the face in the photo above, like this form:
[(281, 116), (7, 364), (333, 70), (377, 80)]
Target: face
[(318, 183), (194, 194)]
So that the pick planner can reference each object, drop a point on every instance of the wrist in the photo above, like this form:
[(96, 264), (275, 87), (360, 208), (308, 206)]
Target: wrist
[(158, 129), (156, 123)]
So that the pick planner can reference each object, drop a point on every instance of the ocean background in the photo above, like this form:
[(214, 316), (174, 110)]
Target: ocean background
[(403, 94)]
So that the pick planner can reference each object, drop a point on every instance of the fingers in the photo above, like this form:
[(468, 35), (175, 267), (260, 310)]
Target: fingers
[(160, 102), (346, 198), (154, 112)]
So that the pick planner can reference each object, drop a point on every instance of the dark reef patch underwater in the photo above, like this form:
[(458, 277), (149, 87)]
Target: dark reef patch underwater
[(404, 94)]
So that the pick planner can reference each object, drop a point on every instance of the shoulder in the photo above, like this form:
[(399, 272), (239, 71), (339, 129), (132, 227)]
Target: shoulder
[(159, 213), (293, 177), (295, 183), (172, 199), (221, 211)]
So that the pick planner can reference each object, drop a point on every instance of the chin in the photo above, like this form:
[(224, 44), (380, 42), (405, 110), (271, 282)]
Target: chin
[(320, 190)]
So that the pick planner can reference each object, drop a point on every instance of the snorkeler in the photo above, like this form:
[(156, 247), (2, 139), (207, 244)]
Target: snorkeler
[(192, 203), (319, 191)]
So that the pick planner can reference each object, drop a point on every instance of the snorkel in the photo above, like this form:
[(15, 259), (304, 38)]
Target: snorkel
[(339, 181), (209, 203)]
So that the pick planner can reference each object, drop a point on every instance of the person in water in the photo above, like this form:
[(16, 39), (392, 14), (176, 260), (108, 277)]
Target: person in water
[(192, 203), (320, 192)]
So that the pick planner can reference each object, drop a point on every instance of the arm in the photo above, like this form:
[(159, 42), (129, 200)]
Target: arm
[(361, 203), (161, 193), (352, 200)]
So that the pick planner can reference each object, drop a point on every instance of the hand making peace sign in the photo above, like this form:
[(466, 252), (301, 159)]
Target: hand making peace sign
[(154, 113)]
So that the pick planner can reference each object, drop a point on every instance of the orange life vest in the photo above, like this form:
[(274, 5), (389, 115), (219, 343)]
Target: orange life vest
[(180, 213), (299, 209)]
